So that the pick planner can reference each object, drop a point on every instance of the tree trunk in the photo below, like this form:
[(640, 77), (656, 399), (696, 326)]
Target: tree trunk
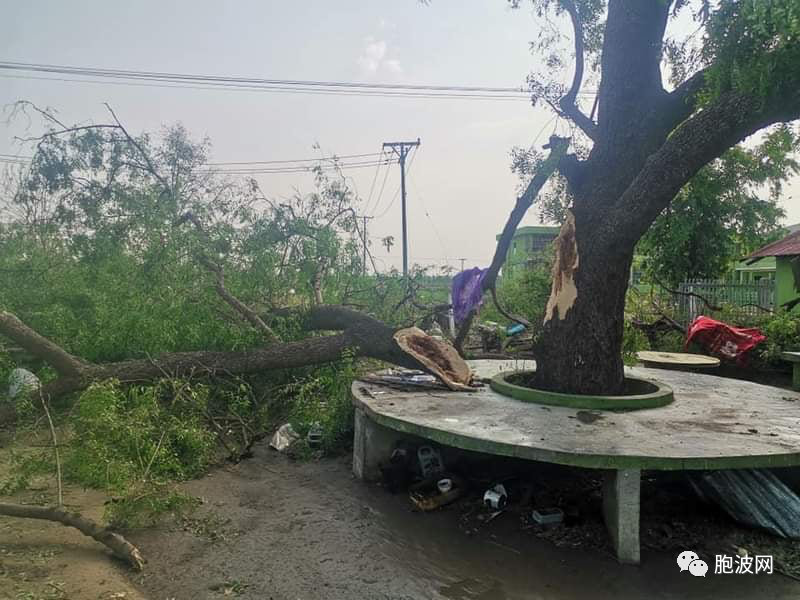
[(580, 349)]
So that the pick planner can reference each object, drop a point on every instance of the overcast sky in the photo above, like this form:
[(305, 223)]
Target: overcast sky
[(460, 186)]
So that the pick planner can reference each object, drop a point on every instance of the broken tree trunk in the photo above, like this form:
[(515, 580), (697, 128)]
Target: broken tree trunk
[(359, 333)]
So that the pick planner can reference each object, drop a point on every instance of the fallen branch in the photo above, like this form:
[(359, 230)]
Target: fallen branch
[(121, 547), (558, 148), (705, 300), (358, 333), (240, 307)]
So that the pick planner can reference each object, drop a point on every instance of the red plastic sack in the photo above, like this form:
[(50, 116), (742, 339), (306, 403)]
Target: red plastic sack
[(724, 341)]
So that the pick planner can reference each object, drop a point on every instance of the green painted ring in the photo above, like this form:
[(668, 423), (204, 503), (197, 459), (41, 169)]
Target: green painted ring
[(661, 396)]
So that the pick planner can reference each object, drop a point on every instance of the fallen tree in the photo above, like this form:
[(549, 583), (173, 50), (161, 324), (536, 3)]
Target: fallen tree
[(359, 333)]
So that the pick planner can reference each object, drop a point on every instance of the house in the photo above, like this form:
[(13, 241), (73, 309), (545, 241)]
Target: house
[(528, 245), (749, 271), (786, 254)]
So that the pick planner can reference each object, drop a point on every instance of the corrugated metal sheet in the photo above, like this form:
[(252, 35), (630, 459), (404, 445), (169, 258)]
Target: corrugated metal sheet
[(788, 246), (755, 497)]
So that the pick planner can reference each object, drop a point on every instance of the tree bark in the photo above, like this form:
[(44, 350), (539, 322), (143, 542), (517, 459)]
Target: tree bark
[(121, 547), (579, 350)]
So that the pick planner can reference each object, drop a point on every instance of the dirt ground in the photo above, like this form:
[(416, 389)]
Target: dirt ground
[(273, 528), (41, 560)]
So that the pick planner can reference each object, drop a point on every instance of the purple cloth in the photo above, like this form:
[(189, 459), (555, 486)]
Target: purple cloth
[(467, 292)]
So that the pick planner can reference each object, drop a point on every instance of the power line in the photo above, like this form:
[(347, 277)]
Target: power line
[(397, 191), (372, 186), (297, 165), (430, 219), (296, 168), (159, 79), (294, 160), (380, 195), (275, 89)]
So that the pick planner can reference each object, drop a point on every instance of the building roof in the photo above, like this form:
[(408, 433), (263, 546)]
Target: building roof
[(550, 230), (788, 246)]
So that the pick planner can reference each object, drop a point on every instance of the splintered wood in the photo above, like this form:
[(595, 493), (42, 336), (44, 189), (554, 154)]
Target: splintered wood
[(439, 357), (564, 293)]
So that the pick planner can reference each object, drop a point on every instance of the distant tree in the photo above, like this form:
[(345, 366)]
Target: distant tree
[(726, 211)]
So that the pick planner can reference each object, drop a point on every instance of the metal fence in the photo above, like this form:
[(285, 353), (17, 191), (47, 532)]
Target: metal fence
[(748, 298)]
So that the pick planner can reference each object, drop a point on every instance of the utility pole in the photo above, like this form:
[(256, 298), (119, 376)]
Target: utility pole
[(402, 149), (463, 260), (364, 239)]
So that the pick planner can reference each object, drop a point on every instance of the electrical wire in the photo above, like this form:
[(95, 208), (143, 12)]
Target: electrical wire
[(430, 219), (397, 191), (372, 187), (380, 194), (163, 79), (297, 165), (294, 160), (295, 168)]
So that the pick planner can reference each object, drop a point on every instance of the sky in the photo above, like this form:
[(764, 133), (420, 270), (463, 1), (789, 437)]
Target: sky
[(460, 187)]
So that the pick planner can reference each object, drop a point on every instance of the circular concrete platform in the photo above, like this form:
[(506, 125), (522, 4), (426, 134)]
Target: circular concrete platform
[(713, 423), (677, 360)]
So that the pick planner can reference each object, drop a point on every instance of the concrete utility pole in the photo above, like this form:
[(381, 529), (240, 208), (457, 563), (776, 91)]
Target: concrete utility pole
[(463, 260), (402, 149)]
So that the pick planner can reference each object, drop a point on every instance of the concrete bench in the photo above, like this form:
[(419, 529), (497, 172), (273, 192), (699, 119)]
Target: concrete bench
[(794, 358), (714, 423)]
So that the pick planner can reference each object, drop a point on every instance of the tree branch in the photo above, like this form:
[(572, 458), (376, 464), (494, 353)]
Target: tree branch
[(558, 149), (151, 168), (697, 141), (568, 105), (121, 547), (360, 334), (679, 104), (245, 311)]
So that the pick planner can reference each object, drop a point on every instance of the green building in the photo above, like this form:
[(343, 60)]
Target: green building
[(786, 254), (528, 245)]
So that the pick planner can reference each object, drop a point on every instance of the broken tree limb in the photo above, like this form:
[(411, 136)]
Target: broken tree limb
[(61, 360), (558, 149), (240, 307), (563, 292), (704, 300), (121, 547), (358, 333)]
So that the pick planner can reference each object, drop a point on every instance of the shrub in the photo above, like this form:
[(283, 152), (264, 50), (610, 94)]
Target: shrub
[(783, 334)]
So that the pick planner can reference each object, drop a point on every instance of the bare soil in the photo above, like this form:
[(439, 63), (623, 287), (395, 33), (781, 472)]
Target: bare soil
[(274, 528), (288, 530), (43, 560)]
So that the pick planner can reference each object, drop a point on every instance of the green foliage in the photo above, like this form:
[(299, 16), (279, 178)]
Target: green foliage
[(322, 401), (633, 341), (783, 334), (24, 466), (6, 366), (99, 252), (146, 505), (523, 293), (140, 433), (752, 47), (718, 217)]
